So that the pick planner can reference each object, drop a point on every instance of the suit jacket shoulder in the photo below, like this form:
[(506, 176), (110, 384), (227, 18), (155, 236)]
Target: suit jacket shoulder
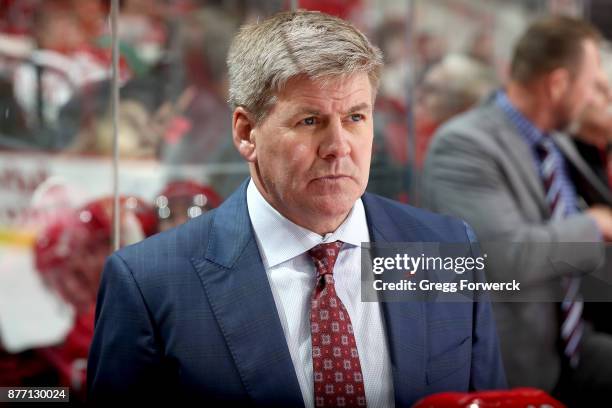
[(410, 223), (483, 129), (188, 240)]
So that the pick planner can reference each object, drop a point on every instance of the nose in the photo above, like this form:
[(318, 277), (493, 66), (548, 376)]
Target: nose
[(335, 141)]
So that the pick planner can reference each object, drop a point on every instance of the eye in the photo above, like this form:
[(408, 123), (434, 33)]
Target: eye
[(356, 117), (309, 121)]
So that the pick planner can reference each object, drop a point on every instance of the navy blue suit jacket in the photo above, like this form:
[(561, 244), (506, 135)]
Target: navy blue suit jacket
[(189, 313)]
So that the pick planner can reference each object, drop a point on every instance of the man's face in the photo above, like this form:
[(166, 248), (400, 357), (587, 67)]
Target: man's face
[(581, 89), (312, 151)]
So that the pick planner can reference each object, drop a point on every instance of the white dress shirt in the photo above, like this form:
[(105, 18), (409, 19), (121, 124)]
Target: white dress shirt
[(283, 246)]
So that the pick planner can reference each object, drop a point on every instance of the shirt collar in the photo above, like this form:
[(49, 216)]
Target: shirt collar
[(280, 239), (532, 135)]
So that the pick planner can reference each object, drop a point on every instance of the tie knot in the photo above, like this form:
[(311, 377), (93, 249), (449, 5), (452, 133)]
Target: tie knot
[(324, 256), (544, 147)]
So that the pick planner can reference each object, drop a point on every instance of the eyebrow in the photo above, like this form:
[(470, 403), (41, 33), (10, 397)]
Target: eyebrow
[(359, 107), (312, 111)]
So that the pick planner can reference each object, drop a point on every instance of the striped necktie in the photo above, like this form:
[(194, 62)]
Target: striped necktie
[(572, 325)]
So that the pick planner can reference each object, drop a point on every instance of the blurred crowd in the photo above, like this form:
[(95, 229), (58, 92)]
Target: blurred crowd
[(55, 77), (55, 66)]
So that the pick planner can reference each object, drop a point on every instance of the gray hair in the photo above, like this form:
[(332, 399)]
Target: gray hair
[(264, 56)]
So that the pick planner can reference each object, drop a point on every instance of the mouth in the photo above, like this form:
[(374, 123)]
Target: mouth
[(331, 177)]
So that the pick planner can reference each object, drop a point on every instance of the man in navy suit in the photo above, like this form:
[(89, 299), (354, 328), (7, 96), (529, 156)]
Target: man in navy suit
[(258, 301)]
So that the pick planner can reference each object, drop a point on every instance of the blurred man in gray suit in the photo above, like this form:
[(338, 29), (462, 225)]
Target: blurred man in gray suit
[(503, 168)]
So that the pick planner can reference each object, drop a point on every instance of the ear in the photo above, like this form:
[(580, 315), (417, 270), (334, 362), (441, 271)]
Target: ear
[(559, 82), (243, 125)]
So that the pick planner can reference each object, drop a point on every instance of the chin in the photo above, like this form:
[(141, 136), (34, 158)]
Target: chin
[(335, 206)]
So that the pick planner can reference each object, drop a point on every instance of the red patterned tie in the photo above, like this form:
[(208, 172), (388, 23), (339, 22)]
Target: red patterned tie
[(338, 381)]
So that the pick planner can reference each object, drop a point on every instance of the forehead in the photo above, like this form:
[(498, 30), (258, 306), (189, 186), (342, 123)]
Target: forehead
[(327, 94), (590, 55)]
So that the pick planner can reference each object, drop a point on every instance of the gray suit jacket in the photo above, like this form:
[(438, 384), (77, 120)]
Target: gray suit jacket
[(479, 168)]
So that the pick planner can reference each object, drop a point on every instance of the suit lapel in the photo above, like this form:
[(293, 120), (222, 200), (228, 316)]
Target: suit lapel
[(519, 153), (239, 293), (405, 322)]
